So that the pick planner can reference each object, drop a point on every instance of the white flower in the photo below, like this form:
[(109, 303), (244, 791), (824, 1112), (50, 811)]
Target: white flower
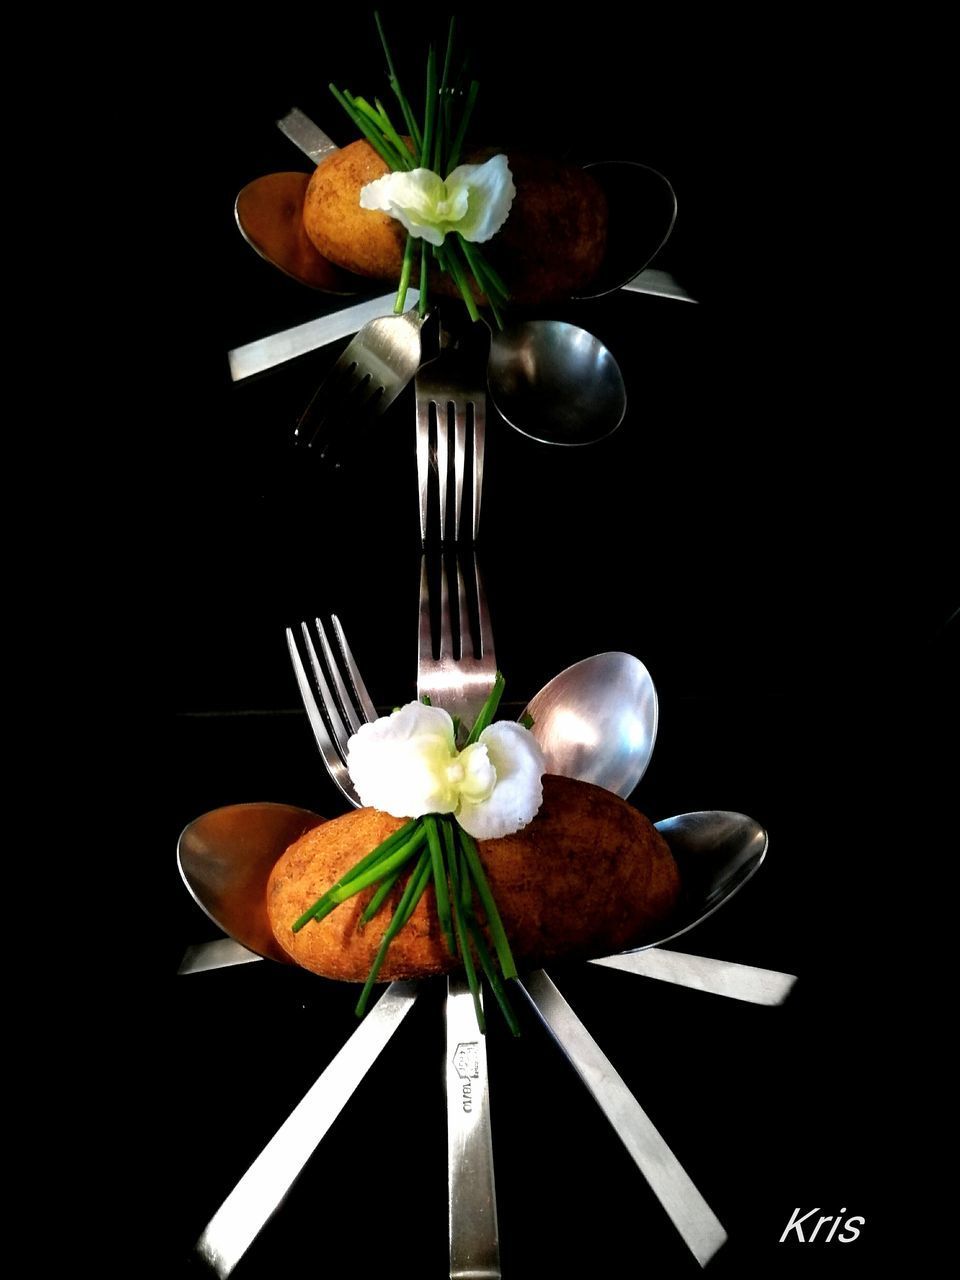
[(475, 200), (408, 764)]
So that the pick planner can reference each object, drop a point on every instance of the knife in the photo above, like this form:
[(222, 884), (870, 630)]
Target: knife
[(258, 1194), (698, 1225), (702, 973)]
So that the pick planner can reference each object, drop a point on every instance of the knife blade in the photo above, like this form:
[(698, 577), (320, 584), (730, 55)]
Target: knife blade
[(258, 1194)]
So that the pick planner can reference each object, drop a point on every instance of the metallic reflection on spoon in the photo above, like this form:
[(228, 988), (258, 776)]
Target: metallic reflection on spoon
[(269, 213), (556, 383), (225, 858), (642, 208), (597, 721)]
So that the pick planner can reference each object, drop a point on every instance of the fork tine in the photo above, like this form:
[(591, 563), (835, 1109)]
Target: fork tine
[(459, 454), (446, 626), (338, 728), (425, 637), (423, 458), (343, 693), (321, 734), (443, 449), (486, 630), (479, 438), (466, 634), (323, 397), (359, 688)]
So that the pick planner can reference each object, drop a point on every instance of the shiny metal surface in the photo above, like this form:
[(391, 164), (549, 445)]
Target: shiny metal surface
[(460, 677), (698, 1225), (260, 1191), (266, 353), (451, 396), (269, 214), (225, 858), (220, 954), (597, 721), (474, 1240), (375, 367), (277, 348), (303, 133), (555, 383), (718, 977), (337, 715), (642, 208), (717, 852)]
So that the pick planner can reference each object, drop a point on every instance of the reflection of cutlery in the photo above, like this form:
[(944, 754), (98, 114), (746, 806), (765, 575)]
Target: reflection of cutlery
[(702, 973), (697, 1223), (245, 1212)]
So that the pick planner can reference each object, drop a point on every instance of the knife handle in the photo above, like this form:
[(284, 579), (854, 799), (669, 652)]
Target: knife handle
[(474, 1241), (697, 1223), (258, 1194), (303, 133)]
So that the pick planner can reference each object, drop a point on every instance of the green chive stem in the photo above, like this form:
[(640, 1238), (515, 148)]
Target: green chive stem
[(382, 148), (384, 848), (440, 882), (453, 159), (378, 899), (489, 968), (488, 710), (449, 257), (405, 271), (459, 922), (424, 280), (494, 923), (411, 896), (430, 109), (401, 97), (382, 868), (391, 132)]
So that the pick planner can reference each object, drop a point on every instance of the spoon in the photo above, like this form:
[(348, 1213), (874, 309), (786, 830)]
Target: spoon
[(555, 383), (642, 208), (226, 856), (269, 213), (597, 721)]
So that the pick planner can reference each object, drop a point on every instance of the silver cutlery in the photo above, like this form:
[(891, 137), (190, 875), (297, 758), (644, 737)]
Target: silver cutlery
[(698, 1225), (260, 1191), (451, 397), (460, 679)]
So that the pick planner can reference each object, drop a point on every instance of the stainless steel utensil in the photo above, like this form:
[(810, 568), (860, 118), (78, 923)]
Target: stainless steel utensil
[(718, 977), (461, 684), (259, 1193), (460, 677), (342, 714), (698, 1225), (642, 209), (450, 394), (375, 367), (597, 721), (555, 383)]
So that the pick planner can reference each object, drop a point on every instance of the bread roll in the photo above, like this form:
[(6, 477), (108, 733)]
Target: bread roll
[(589, 876), (550, 246)]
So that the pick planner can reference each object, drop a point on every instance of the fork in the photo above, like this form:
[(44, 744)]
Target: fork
[(375, 367), (343, 711), (461, 685), (452, 386)]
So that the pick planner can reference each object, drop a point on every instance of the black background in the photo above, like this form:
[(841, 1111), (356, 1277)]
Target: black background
[(768, 532)]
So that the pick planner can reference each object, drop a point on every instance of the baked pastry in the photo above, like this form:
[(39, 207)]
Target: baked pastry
[(551, 245), (590, 875)]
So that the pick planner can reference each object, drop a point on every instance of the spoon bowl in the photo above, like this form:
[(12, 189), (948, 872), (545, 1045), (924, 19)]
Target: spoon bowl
[(555, 383), (225, 858), (269, 213), (597, 721), (642, 208)]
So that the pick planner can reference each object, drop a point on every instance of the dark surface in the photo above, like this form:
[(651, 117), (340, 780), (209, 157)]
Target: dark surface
[(778, 563)]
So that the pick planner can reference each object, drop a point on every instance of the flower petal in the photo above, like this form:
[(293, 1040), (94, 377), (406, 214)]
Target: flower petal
[(399, 763), (490, 192), (418, 199), (479, 777), (520, 765)]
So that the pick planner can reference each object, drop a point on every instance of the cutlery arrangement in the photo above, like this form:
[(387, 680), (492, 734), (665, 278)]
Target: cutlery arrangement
[(596, 721)]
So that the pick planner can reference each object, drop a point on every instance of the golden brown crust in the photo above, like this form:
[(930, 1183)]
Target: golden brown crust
[(589, 876), (551, 245)]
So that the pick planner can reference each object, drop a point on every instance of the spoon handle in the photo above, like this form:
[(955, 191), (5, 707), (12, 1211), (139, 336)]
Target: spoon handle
[(244, 1213), (702, 973), (306, 135), (474, 1242), (699, 1226)]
